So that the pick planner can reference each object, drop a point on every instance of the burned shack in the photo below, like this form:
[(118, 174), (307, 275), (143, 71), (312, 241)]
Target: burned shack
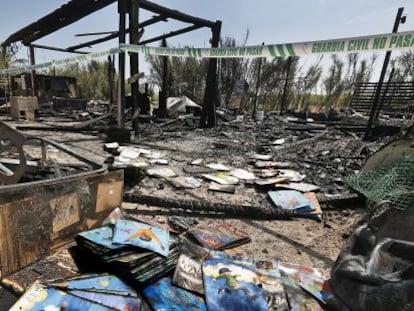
[(218, 209)]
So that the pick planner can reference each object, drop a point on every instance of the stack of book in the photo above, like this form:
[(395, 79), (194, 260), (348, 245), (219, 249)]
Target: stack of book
[(87, 292), (136, 251)]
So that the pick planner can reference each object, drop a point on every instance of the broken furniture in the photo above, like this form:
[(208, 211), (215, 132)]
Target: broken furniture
[(39, 217), (24, 107)]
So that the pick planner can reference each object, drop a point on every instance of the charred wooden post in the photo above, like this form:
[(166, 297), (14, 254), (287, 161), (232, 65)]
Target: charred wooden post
[(33, 73), (384, 95), (257, 86), (164, 91), (111, 80), (285, 88), (133, 57), (374, 108), (122, 10), (208, 115)]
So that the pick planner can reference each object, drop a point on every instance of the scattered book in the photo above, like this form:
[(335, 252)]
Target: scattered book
[(100, 292), (222, 188), (299, 186), (316, 213), (184, 182), (242, 174), (40, 297), (128, 232), (271, 164), (218, 167), (231, 286), (163, 172), (291, 200), (310, 280), (163, 295), (292, 175), (268, 275), (159, 161), (188, 273), (222, 178), (219, 237), (266, 173), (262, 157), (270, 181)]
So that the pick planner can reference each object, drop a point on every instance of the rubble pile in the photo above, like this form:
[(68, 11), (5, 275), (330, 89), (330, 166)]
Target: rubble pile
[(245, 158)]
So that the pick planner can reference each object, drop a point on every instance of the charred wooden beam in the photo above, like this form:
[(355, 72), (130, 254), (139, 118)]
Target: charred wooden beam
[(172, 34), (205, 208), (67, 14), (52, 48), (99, 33), (114, 35), (147, 5)]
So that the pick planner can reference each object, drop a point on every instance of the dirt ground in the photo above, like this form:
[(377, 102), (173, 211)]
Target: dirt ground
[(324, 156)]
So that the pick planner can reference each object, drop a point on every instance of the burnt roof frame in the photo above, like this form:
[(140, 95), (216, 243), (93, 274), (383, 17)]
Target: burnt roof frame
[(75, 10)]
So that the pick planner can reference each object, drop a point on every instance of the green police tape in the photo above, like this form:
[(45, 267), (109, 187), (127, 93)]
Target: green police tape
[(54, 63), (383, 42)]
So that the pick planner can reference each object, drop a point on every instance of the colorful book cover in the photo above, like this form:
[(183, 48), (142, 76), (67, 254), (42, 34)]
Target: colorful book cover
[(317, 287), (310, 280), (290, 200), (188, 274), (220, 237), (298, 299), (128, 232), (316, 213), (104, 283), (268, 275), (162, 295), (231, 286), (40, 298), (117, 302), (101, 236)]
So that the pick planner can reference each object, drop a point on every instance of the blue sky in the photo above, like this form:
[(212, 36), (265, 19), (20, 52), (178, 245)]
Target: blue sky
[(269, 21)]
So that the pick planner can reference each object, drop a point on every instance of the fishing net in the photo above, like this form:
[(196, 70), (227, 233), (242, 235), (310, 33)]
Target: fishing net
[(393, 184)]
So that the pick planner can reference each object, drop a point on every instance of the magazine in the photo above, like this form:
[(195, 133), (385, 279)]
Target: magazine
[(268, 275), (219, 237), (188, 273), (162, 295), (128, 232), (291, 200), (231, 286)]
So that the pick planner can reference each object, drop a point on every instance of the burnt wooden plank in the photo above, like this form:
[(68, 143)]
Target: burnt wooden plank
[(37, 220)]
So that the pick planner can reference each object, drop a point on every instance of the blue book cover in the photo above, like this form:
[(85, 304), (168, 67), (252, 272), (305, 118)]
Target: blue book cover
[(162, 295), (39, 298), (101, 236), (290, 200), (98, 283), (117, 302), (232, 286), (128, 232)]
